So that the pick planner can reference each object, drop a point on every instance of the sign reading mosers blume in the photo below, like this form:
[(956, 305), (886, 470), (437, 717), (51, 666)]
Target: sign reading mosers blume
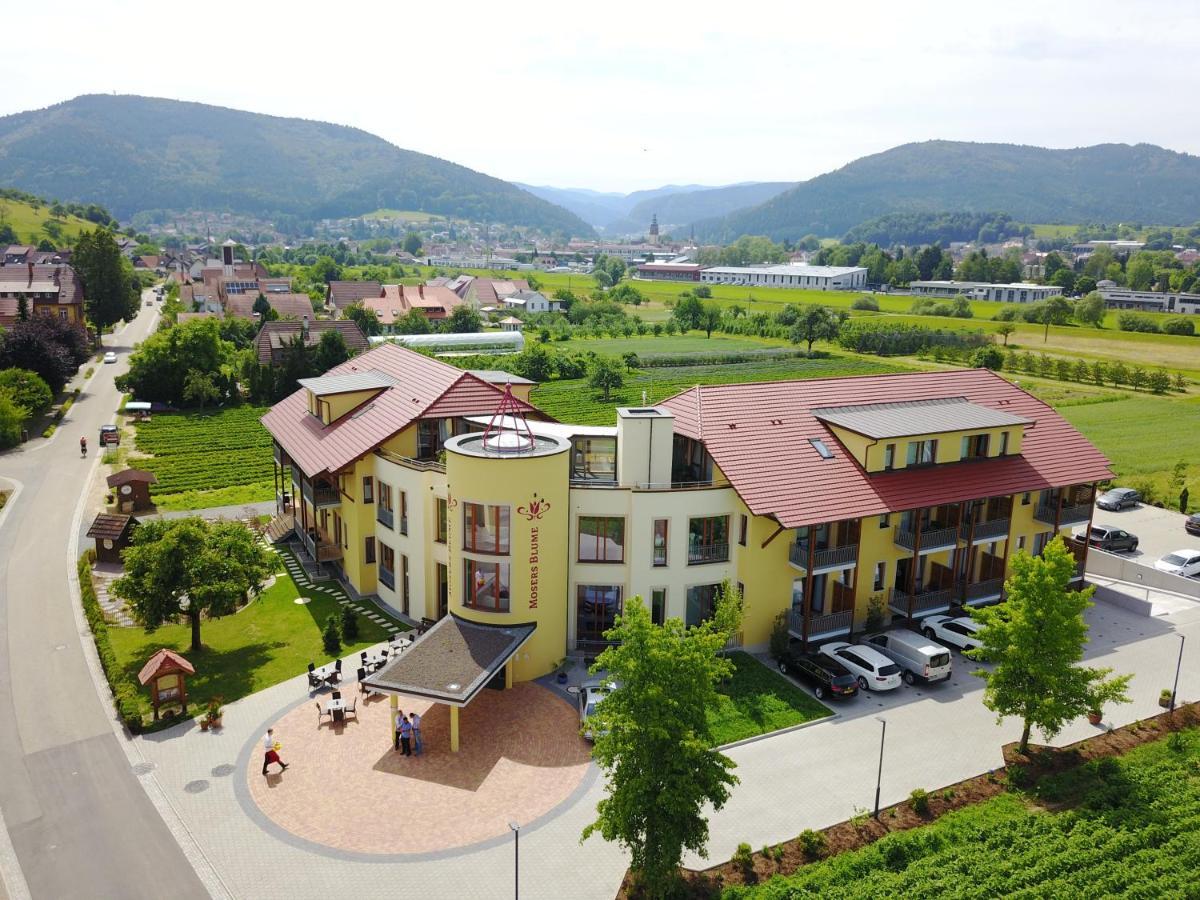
[(534, 511)]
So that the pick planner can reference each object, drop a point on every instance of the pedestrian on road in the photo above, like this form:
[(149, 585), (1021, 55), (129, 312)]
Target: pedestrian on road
[(83, 446), (270, 754), (416, 730), (396, 736), (406, 730)]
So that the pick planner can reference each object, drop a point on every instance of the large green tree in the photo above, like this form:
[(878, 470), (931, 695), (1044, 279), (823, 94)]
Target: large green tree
[(190, 568), (654, 741), (606, 374), (1090, 309), (1036, 639), (365, 318), (12, 417), (688, 311), (815, 323), (27, 388), (464, 320), (331, 350), (109, 287), (160, 366)]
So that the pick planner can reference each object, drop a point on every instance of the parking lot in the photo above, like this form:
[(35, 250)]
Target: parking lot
[(1159, 531)]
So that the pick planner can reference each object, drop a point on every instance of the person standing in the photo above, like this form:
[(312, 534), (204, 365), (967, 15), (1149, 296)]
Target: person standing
[(416, 731), (405, 736), (396, 736), (270, 754)]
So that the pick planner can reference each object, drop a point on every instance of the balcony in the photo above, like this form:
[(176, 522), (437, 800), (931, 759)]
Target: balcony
[(932, 539), (417, 465), (1079, 514), (387, 578), (320, 494), (320, 548), (820, 625), (385, 516), (922, 603), (829, 559), (985, 532), (700, 554), (986, 591)]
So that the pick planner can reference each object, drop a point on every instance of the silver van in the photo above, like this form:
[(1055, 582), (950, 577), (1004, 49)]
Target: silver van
[(919, 658)]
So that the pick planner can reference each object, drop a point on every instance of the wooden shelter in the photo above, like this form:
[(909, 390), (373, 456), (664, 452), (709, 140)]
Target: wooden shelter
[(112, 533), (166, 673), (132, 489)]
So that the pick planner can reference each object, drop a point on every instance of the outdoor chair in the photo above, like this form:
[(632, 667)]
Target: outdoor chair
[(352, 709), (333, 678), (321, 714), (362, 677), (363, 656), (338, 666), (314, 682), (337, 695)]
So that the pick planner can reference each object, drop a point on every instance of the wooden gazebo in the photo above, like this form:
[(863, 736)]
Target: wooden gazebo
[(132, 489), (166, 673)]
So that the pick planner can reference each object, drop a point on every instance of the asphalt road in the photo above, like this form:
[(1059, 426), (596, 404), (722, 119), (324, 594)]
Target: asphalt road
[(79, 822)]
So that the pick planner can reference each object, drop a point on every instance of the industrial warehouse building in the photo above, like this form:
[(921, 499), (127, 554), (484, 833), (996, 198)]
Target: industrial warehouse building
[(818, 278)]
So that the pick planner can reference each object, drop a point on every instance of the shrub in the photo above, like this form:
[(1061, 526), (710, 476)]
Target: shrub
[(349, 623), (988, 358), (703, 291), (867, 303), (1131, 321), (28, 389), (125, 693), (1179, 325), (919, 799), (887, 339), (331, 637), (780, 639), (876, 613), (813, 843), (1007, 314), (743, 858)]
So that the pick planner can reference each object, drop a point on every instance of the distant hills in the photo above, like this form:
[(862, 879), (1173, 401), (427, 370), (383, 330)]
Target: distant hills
[(676, 205), (1104, 183), (138, 153)]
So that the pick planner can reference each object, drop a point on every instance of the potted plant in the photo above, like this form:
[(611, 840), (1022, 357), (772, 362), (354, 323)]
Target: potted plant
[(561, 677), (213, 715), (1165, 696), (1094, 716)]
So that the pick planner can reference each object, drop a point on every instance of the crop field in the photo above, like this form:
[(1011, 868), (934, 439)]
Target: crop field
[(1129, 827), (205, 459), (572, 400), (667, 345)]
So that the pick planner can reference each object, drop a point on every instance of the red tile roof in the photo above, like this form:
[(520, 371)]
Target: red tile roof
[(343, 293), (164, 662), (274, 335), (425, 388), (758, 434), (289, 306)]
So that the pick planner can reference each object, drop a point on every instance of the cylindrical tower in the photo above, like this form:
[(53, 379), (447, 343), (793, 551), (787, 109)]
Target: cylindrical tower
[(508, 534)]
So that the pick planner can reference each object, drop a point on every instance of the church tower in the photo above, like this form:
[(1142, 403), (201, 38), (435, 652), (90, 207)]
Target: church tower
[(654, 229)]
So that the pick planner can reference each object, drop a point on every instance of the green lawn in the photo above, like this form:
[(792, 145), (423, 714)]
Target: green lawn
[(208, 458), (667, 344), (27, 222), (270, 640), (1128, 827), (758, 700)]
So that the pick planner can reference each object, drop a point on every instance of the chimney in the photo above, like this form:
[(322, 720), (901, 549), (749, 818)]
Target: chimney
[(420, 287), (304, 329), (30, 264)]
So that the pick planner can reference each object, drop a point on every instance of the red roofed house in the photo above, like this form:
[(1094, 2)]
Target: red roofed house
[(825, 499), (288, 306), (397, 300), (340, 294), (274, 337), (49, 291)]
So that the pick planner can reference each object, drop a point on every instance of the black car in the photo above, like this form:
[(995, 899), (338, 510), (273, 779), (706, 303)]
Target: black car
[(1192, 525), (828, 677), (1114, 540)]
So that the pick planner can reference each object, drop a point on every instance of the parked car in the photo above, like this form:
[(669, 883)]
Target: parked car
[(828, 677), (109, 435), (1118, 499), (918, 658), (1192, 524), (1114, 540), (874, 671), (1181, 562), (590, 694), (957, 631), (110, 357)]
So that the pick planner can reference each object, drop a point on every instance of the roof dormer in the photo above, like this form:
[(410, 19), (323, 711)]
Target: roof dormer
[(332, 396)]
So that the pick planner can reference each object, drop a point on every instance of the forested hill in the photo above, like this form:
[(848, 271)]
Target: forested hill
[(678, 211), (137, 153), (1104, 183)]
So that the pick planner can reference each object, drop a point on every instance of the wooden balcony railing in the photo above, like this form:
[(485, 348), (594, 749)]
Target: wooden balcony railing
[(931, 538), (920, 603), (844, 557), (819, 623), (984, 590), (1068, 515), (991, 530)]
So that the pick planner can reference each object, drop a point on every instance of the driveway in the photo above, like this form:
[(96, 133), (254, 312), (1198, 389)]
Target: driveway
[(1159, 531)]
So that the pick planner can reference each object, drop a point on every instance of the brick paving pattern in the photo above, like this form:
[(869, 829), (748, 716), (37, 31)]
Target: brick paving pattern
[(346, 788)]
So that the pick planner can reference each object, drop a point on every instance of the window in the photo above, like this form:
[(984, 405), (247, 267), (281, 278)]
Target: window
[(701, 602), (485, 528), (922, 453), (708, 540), (596, 609), (889, 457), (660, 541), (485, 585), (369, 550), (601, 539), (821, 448), (594, 458), (885, 520), (974, 446), (383, 508), (1021, 542), (1025, 498), (442, 521), (387, 566), (432, 434), (880, 576), (658, 605), (404, 584), (368, 494), (403, 498), (1004, 443), (743, 529)]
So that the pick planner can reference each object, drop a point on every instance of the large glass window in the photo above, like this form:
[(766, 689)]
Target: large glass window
[(403, 498), (922, 453), (601, 539), (387, 566), (485, 528), (701, 602), (596, 609), (442, 521), (661, 527), (974, 446), (658, 605), (708, 540), (594, 458), (383, 507), (368, 494), (485, 585)]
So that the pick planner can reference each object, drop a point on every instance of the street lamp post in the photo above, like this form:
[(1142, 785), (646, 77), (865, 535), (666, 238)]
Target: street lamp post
[(879, 774), (516, 830), (1178, 664)]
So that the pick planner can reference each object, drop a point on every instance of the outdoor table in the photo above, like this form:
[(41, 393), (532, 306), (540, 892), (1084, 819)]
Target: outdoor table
[(376, 662), (336, 710)]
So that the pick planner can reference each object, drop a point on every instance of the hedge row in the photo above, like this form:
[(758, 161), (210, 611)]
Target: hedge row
[(125, 692)]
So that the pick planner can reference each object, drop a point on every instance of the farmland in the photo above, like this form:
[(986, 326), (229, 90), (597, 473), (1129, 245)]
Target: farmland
[(204, 459), (1128, 827)]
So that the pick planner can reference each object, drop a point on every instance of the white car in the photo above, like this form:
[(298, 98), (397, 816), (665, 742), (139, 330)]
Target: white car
[(957, 631), (110, 357), (875, 672), (1181, 562), (590, 694)]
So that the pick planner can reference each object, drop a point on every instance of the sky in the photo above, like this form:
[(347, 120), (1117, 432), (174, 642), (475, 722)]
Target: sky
[(622, 96)]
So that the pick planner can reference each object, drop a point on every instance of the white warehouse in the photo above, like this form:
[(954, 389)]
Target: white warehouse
[(1017, 292), (819, 278)]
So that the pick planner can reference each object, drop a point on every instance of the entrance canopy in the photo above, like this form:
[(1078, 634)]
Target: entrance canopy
[(452, 661)]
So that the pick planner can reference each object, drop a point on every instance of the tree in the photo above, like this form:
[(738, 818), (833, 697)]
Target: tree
[(607, 375), (1090, 309), (687, 312), (27, 389), (12, 417), (815, 323), (364, 318), (464, 320), (331, 350), (1036, 641), (190, 567), (1004, 329), (159, 367), (266, 313), (413, 243), (1054, 311), (1160, 381), (32, 345), (200, 388), (110, 289), (324, 270), (1139, 273), (989, 357), (413, 322), (653, 738), (710, 318)]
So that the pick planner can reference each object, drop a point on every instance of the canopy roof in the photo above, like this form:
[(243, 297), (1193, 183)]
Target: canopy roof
[(164, 662)]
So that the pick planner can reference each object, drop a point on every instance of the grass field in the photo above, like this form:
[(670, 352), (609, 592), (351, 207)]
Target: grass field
[(1122, 827), (27, 222), (270, 640), (666, 345), (403, 215), (757, 701), (204, 459)]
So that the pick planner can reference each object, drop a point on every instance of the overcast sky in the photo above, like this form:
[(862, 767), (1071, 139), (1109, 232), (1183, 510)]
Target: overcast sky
[(620, 96)]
